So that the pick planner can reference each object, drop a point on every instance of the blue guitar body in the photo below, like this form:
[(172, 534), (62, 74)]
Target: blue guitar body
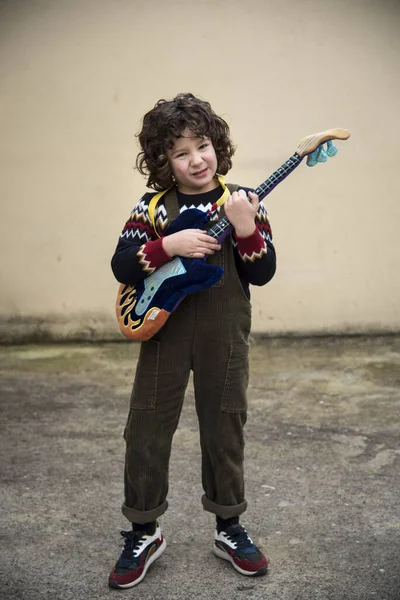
[(143, 309)]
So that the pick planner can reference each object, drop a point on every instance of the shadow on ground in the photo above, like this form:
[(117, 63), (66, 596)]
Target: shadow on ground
[(322, 475)]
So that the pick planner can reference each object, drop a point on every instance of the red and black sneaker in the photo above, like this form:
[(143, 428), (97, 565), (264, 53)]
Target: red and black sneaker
[(139, 552), (235, 545)]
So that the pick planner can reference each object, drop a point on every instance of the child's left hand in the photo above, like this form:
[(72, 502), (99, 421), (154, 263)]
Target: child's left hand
[(241, 213)]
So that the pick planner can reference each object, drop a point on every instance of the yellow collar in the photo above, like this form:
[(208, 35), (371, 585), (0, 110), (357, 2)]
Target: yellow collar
[(225, 194)]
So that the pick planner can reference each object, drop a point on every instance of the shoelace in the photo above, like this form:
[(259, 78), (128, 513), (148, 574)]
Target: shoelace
[(238, 535), (132, 542)]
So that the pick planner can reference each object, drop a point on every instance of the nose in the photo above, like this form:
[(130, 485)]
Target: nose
[(196, 159)]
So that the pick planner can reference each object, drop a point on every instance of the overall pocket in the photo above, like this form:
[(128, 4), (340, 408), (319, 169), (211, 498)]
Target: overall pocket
[(234, 397), (145, 387)]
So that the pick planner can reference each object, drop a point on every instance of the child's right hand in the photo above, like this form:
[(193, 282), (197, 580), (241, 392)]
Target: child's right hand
[(190, 243)]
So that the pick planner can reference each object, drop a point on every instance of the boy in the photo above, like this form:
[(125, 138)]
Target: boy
[(186, 149)]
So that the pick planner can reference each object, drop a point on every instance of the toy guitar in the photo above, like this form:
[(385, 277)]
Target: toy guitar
[(142, 309)]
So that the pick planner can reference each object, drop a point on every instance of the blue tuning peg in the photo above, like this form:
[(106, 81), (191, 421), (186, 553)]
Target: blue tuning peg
[(321, 154), (331, 149), (312, 158)]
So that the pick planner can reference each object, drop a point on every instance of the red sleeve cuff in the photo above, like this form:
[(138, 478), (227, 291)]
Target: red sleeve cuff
[(251, 247), (152, 256)]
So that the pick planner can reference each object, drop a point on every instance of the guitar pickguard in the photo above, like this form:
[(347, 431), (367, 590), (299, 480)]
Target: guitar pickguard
[(154, 281)]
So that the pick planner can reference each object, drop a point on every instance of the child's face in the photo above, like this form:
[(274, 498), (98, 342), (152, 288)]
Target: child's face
[(194, 163)]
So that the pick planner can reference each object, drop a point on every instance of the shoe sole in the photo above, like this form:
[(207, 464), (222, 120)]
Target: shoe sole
[(225, 556), (152, 558)]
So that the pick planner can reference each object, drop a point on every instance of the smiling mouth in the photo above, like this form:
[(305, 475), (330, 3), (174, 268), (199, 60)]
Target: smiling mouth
[(199, 173)]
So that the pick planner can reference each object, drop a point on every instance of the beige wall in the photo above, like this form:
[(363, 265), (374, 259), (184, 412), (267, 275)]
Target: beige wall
[(76, 78)]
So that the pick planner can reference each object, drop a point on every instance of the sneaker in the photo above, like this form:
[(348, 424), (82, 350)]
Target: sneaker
[(235, 545), (139, 552)]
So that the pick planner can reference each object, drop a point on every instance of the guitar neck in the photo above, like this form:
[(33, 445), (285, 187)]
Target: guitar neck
[(223, 226), (277, 176)]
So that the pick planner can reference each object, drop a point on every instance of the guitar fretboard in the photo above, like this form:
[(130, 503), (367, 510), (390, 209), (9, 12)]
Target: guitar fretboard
[(223, 226)]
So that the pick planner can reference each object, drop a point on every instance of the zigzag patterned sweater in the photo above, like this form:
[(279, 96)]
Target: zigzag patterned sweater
[(139, 251)]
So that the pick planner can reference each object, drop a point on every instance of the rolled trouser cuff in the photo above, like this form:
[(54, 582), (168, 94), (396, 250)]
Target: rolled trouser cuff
[(226, 512), (144, 516)]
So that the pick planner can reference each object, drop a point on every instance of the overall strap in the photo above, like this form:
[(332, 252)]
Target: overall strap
[(171, 204), (232, 187)]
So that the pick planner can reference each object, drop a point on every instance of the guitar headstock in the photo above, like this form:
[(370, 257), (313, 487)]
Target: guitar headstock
[(312, 145)]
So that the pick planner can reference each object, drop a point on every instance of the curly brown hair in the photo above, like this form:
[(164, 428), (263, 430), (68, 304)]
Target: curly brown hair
[(165, 123)]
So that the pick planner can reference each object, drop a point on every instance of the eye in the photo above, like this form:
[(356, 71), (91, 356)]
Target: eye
[(205, 145), (180, 154)]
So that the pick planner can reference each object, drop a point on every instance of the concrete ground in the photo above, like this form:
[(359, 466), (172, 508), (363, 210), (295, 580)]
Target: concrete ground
[(322, 475)]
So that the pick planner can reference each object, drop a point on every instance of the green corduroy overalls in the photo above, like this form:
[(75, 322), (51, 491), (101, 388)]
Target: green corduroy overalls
[(208, 334)]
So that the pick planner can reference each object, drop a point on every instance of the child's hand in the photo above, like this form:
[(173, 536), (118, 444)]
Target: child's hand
[(241, 213), (191, 243)]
